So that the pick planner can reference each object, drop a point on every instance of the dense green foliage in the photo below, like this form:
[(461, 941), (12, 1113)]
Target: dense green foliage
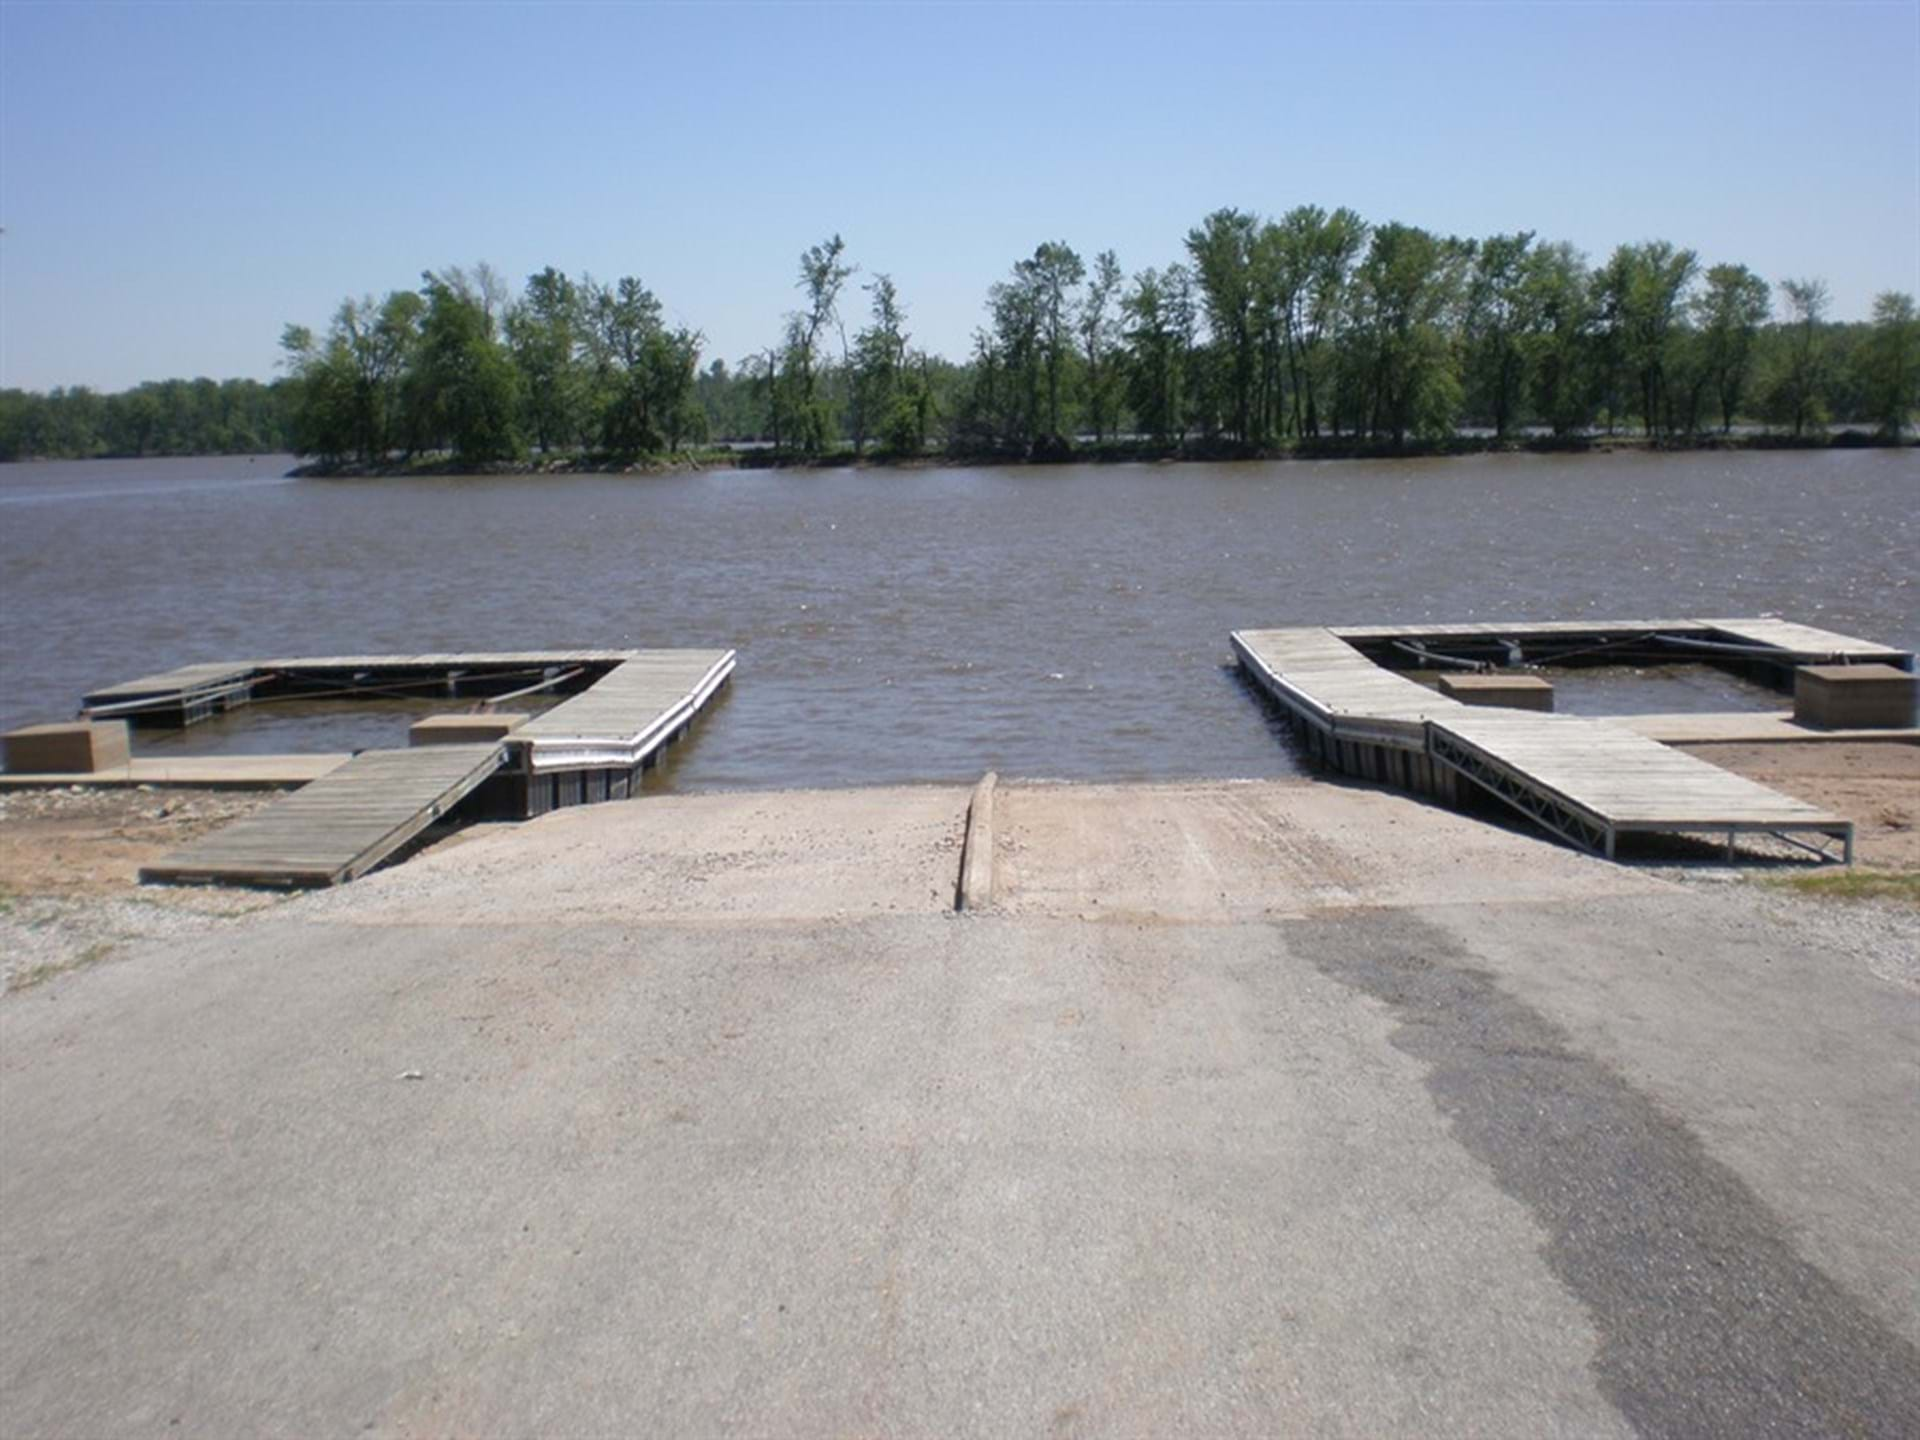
[(1318, 329), (166, 417), (460, 367), (1313, 330)]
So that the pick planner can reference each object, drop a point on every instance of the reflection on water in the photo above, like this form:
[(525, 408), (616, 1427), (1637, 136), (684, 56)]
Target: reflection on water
[(1642, 690), (292, 727), (928, 625), (1657, 690)]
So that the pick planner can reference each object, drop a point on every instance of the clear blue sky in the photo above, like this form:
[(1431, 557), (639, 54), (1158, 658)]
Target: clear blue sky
[(179, 180)]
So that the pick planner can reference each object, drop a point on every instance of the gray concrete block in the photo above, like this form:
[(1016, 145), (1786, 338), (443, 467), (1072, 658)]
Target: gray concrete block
[(1512, 692), (1854, 697), (462, 729)]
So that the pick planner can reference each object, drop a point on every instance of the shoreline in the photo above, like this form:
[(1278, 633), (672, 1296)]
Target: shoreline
[(1103, 453), (70, 857), (1112, 453)]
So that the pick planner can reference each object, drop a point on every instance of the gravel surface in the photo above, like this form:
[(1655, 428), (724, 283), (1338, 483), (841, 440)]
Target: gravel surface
[(69, 861), (1881, 936)]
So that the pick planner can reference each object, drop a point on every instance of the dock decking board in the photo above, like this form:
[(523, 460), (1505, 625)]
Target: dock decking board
[(341, 825), (1809, 642), (1794, 640), (194, 691), (1501, 630), (627, 714), (1589, 780), (1625, 781), (449, 660), (183, 680)]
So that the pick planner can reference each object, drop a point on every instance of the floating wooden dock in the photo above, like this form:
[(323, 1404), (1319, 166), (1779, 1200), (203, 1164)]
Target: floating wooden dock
[(192, 693), (1767, 650), (340, 826), (623, 708), (594, 746), (184, 696), (1589, 781)]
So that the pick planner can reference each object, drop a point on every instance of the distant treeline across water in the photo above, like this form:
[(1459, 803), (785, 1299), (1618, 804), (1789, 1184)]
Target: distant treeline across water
[(1315, 330)]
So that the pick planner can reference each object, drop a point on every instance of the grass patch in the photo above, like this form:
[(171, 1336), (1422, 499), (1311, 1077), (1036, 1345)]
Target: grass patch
[(34, 975), (1900, 885)]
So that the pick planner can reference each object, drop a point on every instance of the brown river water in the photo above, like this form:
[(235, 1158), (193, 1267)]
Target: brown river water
[(928, 625)]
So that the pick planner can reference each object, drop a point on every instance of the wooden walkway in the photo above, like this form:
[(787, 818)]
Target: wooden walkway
[(340, 826), (193, 692), (1500, 630), (1808, 644), (1802, 643), (450, 660), (1587, 780), (1591, 781), (1334, 686)]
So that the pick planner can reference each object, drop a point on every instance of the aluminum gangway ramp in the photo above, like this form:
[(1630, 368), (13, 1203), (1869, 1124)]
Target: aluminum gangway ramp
[(1591, 781), (340, 826)]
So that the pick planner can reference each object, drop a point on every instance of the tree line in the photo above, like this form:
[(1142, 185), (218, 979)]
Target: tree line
[(1313, 329), (1317, 328), (461, 365), (164, 417)]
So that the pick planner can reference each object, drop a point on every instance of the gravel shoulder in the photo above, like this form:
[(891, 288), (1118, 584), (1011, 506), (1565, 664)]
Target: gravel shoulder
[(69, 865)]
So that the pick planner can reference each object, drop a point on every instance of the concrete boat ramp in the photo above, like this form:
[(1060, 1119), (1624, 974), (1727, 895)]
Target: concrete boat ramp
[(590, 747), (1248, 1109), (1588, 781)]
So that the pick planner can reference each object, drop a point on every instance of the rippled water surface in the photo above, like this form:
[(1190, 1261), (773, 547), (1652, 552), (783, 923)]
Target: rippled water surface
[(925, 625)]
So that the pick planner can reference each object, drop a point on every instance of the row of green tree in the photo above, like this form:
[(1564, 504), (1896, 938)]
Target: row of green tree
[(1312, 328), (165, 417), (1317, 326), (461, 365)]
